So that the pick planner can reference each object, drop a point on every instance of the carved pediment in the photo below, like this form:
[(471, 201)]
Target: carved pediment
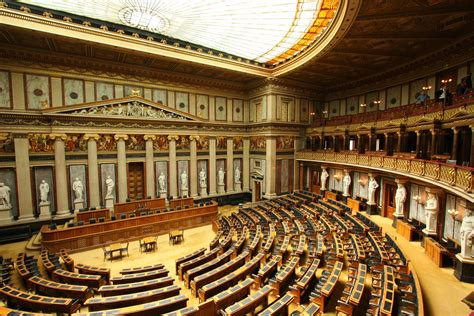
[(133, 107), (256, 175)]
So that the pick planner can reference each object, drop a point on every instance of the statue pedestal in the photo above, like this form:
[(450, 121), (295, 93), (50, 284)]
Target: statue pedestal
[(184, 192), (396, 217), (221, 188), (163, 194), (464, 269), (427, 232), (45, 210), (109, 203), (238, 186), (371, 209), (78, 204), (6, 214), (203, 192)]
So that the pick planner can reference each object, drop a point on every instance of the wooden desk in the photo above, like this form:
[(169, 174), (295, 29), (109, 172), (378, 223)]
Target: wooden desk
[(176, 235), (100, 234), (129, 207), (388, 295), (87, 215), (330, 195), (92, 281), (353, 204), (55, 289), (435, 251), (149, 243), (137, 277), (232, 295), (278, 307), (188, 257), (142, 269), (117, 247), (103, 272), (250, 303), (182, 202), (193, 263), (405, 229), (135, 287), (68, 261)]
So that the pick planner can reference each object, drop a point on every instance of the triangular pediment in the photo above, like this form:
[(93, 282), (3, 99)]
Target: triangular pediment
[(132, 107), (256, 175)]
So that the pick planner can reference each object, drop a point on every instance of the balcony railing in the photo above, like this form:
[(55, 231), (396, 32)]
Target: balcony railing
[(451, 175)]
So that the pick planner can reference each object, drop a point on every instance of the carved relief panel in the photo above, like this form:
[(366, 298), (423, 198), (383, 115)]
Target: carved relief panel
[(238, 110), (73, 91), (202, 106), (38, 92), (221, 109), (104, 91), (5, 89)]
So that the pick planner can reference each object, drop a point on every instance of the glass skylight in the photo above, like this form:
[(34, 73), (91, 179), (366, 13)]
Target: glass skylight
[(266, 31)]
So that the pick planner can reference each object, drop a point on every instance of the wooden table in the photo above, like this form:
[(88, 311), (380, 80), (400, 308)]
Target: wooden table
[(176, 235), (117, 247), (149, 243)]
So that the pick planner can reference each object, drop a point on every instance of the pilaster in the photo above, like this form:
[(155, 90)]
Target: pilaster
[(230, 164), (173, 178), (193, 165), (212, 166), (246, 164), (270, 165)]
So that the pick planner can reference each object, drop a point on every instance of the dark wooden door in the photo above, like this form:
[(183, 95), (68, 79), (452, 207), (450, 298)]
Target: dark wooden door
[(136, 188), (258, 191), (389, 200)]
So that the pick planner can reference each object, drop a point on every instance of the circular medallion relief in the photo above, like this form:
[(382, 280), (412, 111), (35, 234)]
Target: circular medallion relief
[(352, 108), (202, 106), (237, 110), (221, 108), (182, 105), (393, 100), (38, 92), (73, 95), (1, 89), (104, 97)]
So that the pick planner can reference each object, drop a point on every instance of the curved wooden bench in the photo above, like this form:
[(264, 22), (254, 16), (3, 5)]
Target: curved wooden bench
[(129, 288)]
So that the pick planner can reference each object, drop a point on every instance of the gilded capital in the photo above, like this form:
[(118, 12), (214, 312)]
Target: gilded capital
[(120, 137), (94, 137), (173, 137), (193, 137), (55, 137), (149, 137), (4, 136)]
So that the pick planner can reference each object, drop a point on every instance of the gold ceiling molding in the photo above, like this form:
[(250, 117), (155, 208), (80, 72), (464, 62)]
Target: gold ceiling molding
[(335, 31)]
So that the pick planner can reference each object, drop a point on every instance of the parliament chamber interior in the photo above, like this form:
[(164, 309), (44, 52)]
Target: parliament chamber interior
[(274, 157)]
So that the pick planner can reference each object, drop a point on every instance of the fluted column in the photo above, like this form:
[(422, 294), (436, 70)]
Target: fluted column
[(122, 168), (270, 167), (23, 176), (212, 166), (93, 169), (150, 166), (193, 166), (433, 142), (418, 143), (173, 179), (230, 164), (246, 164), (61, 174), (454, 151)]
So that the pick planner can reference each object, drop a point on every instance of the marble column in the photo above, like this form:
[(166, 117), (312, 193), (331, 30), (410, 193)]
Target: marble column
[(387, 145), (246, 164), (270, 167), (345, 145), (472, 146), (433, 142), (122, 168), (454, 151), (173, 178), (230, 165), (93, 169), (150, 166), (418, 143), (193, 166), (212, 166), (359, 143), (399, 141), (23, 176), (370, 141), (61, 174)]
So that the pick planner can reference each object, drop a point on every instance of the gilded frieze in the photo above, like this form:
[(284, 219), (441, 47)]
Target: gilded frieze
[(161, 143), (135, 143), (202, 143), (258, 142), (285, 142), (76, 143), (7, 144), (106, 142), (182, 143), (238, 143), (41, 143)]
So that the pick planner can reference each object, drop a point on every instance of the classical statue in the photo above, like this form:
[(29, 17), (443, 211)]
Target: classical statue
[(162, 182), (110, 187), (78, 188), (324, 178), (431, 210), (346, 183), (237, 175), (400, 198), (5, 202), (202, 178), (220, 176), (44, 191), (184, 180), (373, 185), (467, 234)]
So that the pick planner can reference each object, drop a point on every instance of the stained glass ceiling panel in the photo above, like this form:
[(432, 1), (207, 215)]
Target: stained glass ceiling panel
[(259, 30)]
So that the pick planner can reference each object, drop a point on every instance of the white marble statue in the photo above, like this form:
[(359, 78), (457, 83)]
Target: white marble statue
[(44, 191), (5, 202), (220, 176), (237, 175), (184, 181), (110, 187), (78, 189), (324, 178), (373, 185), (346, 183), (431, 211), (162, 182), (202, 178), (467, 234), (400, 198)]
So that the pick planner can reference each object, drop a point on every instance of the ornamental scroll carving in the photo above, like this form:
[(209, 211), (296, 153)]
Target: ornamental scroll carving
[(131, 109)]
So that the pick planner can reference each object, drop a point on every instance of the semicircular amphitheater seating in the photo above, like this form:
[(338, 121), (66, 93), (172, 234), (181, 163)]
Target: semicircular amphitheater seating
[(284, 255)]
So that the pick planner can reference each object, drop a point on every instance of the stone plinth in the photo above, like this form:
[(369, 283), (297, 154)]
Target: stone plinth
[(220, 188), (238, 186), (203, 192), (464, 269), (5, 214), (163, 194), (109, 203), (45, 210), (78, 204)]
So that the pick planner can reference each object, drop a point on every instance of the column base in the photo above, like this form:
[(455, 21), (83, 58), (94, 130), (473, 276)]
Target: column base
[(63, 213), (220, 189), (45, 209), (109, 203), (184, 192), (203, 192), (237, 186), (372, 209), (464, 269)]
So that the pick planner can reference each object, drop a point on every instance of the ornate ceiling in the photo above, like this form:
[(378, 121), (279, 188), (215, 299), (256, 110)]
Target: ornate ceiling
[(382, 39)]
